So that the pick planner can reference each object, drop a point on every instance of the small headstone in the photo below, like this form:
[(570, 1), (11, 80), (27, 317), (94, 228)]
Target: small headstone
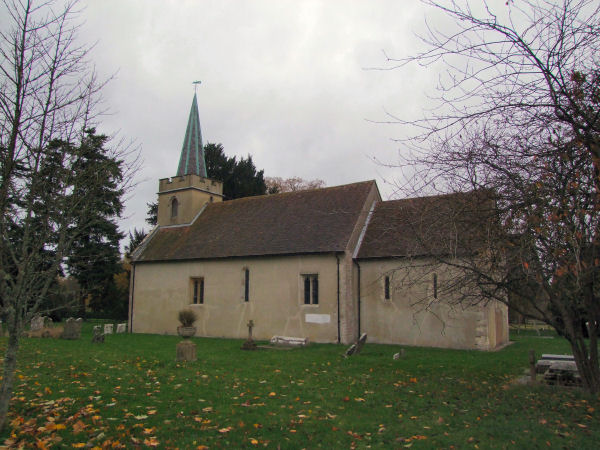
[(360, 343), (98, 336), (400, 354), (186, 350), (72, 328), (37, 323), (48, 322), (121, 328), (355, 348), (108, 328), (351, 350)]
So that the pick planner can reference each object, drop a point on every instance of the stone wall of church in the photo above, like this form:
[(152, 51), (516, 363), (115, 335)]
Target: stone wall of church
[(276, 301), (422, 308)]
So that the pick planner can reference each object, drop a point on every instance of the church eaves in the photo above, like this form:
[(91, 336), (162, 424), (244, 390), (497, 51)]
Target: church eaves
[(192, 152)]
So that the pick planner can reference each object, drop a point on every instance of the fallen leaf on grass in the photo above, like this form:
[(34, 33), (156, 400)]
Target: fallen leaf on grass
[(151, 442), (225, 430)]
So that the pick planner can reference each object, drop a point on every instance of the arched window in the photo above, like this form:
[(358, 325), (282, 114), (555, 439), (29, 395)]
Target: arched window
[(174, 207)]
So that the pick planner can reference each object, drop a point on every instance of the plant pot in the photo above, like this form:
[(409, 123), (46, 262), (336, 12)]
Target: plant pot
[(186, 332)]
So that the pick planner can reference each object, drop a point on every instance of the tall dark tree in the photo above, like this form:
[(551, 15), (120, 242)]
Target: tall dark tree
[(135, 239), (519, 117), (152, 213), (240, 177), (94, 258)]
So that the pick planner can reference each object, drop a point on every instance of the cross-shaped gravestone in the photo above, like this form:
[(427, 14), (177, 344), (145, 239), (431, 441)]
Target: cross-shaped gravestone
[(250, 326), (249, 344)]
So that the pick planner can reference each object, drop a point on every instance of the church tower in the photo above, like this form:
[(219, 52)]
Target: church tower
[(181, 197)]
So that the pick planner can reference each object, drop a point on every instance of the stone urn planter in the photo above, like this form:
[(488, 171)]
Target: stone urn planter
[(186, 349), (186, 332)]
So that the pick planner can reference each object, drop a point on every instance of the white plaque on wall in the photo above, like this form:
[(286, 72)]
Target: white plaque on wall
[(317, 318)]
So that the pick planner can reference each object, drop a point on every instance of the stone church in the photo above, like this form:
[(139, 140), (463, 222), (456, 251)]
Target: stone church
[(325, 264)]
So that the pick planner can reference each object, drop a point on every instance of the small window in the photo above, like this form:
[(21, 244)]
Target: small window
[(435, 285), (174, 207), (198, 291), (311, 289), (386, 287), (246, 284)]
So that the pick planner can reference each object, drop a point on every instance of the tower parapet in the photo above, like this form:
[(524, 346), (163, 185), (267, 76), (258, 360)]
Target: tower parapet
[(180, 198)]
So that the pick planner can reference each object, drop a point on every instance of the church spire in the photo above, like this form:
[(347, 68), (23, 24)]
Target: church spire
[(192, 152)]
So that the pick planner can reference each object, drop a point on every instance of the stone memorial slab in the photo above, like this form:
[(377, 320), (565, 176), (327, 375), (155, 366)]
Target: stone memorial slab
[(360, 343), (351, 350), (37, 323), (355, 348), (108, 328), (98, 336), (289, 341), (72, 328), (121, 328)]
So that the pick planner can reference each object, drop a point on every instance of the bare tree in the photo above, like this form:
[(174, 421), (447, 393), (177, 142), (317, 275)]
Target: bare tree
[(49, 97), (276, 185), (517, 115)]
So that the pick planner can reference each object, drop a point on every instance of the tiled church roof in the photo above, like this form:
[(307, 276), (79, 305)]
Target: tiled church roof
[(314, 221), (452, 224)]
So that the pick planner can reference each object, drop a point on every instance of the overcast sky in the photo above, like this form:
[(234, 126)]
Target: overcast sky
[(283, 81)]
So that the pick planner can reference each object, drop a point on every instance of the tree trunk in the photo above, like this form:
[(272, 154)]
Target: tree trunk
[(586, 365), (8, 374)]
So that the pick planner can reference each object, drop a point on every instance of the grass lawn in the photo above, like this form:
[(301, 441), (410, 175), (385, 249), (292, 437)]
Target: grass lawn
[(129, 391)]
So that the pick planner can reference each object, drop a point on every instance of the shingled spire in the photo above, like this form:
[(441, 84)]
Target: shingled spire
[(192, 152)]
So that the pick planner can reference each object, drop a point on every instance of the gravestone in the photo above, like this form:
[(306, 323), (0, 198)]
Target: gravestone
[(48, 323), (400, 354), (72, 328), (360, 343), (108, 328), (355, 348), (98, 336), (37, 323), (121, 328), (249, 344), (351, 350)]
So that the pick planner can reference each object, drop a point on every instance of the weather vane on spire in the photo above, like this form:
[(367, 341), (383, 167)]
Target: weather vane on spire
[(196, 83)]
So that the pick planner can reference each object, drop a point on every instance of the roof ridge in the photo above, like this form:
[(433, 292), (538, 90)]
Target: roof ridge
[(434, 196), (298, 192)]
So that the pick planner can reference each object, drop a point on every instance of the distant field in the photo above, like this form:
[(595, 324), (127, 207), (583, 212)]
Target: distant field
[(130, 391)]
